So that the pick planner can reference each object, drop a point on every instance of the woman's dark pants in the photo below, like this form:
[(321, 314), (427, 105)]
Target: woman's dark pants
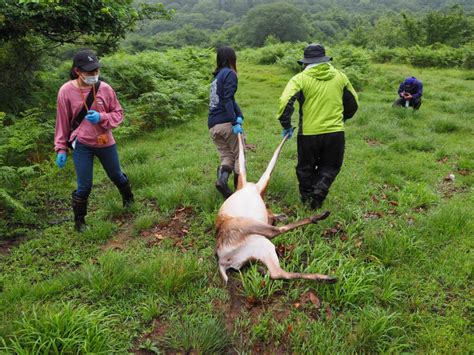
[(83, 157)]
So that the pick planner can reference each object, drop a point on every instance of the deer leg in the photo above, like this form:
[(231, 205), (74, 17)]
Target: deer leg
[(242, 178), (262, 184), (273, 219), (247, 226), (276, 272)]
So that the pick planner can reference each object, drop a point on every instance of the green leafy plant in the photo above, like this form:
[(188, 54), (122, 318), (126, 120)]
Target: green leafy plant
[(257, 287)]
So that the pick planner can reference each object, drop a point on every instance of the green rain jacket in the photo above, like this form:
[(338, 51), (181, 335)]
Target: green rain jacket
[(326, 99)]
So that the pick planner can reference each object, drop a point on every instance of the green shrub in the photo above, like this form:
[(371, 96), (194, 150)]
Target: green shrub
[(430, 56), (161, 88)]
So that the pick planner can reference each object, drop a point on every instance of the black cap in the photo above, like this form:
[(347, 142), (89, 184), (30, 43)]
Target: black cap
[(314, 53), (86, 60)]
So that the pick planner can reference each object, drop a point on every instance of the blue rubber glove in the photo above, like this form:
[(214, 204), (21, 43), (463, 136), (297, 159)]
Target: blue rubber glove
[(61, 160), (288, 131), (239, 120), (237, 128), (93, 116)]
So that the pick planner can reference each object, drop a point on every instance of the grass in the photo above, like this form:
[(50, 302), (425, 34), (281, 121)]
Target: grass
[(399, 246)]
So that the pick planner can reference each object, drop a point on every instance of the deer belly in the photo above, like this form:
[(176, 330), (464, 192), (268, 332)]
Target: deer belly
[(246, 202), (256, 247)]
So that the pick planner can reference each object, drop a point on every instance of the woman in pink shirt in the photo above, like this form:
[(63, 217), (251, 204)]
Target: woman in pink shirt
[(87, 110)]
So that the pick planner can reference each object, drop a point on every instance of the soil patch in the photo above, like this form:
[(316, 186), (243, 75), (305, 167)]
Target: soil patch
[(175, 227), (6, 245), (448, 189), (159, 330)]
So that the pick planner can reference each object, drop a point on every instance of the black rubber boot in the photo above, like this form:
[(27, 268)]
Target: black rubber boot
[(236, 181), (222, 185), (79, 206), (324, 180), (126, 192), (316, 203)]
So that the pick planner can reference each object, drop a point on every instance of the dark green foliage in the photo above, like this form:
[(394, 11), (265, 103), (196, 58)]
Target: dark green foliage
[(161, 88), (23, 143), (30, 29), (281, 20), (432, 56), (66, 22)]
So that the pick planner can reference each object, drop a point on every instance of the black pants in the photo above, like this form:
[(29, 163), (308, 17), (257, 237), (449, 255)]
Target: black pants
[(319, 161), (412, 103)]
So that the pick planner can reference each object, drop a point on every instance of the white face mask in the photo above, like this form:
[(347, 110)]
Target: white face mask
[(90, 80)]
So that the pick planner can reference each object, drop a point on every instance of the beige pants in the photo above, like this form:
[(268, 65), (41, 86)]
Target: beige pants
[(227, 144)]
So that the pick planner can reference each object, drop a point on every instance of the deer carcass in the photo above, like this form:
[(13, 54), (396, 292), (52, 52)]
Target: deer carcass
[(244, 227)]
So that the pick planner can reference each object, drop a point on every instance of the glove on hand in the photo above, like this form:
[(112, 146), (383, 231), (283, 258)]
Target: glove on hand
[(288, 131), (93, 116), (240, 120), (61, 160), (237, 128)]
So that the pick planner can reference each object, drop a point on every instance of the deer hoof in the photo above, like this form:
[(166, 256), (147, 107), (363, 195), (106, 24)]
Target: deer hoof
[(329, 280), (320, 217)]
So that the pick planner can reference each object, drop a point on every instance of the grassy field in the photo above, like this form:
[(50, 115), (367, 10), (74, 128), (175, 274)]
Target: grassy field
[(399, 239)]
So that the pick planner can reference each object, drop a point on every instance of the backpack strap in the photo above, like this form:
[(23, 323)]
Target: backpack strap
[(80, 117)]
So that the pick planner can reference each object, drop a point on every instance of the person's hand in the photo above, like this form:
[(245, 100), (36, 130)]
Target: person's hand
[(237, 128), (61, 160), (239, 120), (408, 96), (93, 116), (287, 131)]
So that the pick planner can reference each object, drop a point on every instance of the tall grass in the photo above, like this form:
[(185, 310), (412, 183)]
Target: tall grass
[(62, 329)]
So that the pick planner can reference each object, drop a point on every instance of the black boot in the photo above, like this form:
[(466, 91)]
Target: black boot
[(79, 206), (324, 180), (126, 192), (236, 181), (223, 173), (316, 203)]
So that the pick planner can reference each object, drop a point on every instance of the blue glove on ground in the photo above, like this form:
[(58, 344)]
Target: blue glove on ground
[(61, 160), (288, 131), (93, 116), (237, 128), (240, 120)]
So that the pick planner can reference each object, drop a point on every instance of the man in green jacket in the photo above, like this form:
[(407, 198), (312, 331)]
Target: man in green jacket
[(326, 99)]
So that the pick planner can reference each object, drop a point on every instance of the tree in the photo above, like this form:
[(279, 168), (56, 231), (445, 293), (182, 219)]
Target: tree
[(281, 20), (100, 22), (452, 28), (30, 27)]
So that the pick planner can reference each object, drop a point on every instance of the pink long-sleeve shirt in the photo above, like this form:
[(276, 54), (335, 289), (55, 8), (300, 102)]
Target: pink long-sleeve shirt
[(70, 103)]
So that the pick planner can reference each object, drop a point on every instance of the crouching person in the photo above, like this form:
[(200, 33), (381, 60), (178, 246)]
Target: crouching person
[(409, 92), (87, 111)]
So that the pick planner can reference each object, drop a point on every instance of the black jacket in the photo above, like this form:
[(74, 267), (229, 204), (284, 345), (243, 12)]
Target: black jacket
[(222, 105)]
